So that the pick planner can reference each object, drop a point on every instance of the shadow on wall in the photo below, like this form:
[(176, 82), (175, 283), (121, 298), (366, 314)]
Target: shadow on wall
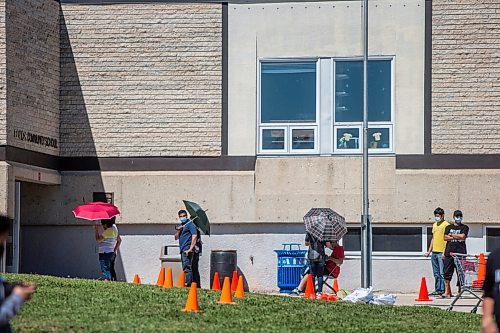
[(48, 227), (245, 282)]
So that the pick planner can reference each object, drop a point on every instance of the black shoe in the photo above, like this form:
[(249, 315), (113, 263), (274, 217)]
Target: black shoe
[(436, 293)]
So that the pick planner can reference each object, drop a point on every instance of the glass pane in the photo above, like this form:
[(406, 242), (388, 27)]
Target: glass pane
[(379, 90), (273, 139), (347, 138), (395, 239), (349, 91), (492, 239), (352, 240), (302, 139), (288, 92), (378, 138)]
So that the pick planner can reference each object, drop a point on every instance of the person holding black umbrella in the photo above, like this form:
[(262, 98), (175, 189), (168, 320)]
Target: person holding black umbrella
[(189, 246)]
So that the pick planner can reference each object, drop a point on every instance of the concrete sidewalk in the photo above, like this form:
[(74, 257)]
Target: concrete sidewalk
[(464, 305)]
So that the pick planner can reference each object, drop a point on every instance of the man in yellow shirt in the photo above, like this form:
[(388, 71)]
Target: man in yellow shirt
[(436, 250)]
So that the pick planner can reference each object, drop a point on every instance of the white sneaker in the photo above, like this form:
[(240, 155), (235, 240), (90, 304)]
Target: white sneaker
[(296, 292)]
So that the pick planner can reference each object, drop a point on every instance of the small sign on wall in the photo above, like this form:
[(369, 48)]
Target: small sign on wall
[(37, 139)]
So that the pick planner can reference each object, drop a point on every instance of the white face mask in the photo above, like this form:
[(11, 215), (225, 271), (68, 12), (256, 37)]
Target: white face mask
[(458, 220), (437, 218)]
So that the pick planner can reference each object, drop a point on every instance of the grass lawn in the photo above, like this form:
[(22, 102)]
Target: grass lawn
[(73, 305)]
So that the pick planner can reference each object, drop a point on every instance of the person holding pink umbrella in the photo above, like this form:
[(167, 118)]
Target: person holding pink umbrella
[(109, 242)]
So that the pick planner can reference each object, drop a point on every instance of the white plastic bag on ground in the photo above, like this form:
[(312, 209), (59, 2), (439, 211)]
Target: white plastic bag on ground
[(360, 295), (385, 299)]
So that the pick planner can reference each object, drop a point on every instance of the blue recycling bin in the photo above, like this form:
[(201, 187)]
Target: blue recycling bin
[(290, 265)]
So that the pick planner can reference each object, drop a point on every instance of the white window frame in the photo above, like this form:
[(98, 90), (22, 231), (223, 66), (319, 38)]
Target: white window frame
[(371, 124), (303, 151), (288, 126), (397, 254), (285, 138), (391, 140), (348, 151), (486, 236), (317, 126)]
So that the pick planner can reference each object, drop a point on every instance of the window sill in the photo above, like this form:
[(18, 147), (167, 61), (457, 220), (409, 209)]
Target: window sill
[(392, 256)]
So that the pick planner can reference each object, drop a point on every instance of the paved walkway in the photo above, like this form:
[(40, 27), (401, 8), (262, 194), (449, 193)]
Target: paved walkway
[(464, 305)]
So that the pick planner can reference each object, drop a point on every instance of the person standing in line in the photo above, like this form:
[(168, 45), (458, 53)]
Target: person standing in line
[(187, 234), (109, 242), (196, 256), (491, 287), (455, 236), (115, 252), (436, 250), (316, 257)]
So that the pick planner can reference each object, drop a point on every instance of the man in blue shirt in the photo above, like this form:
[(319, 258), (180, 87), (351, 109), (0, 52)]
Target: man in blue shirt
[(187, 234)]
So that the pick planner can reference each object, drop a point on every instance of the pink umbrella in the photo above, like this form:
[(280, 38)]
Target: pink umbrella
[(96, 211)]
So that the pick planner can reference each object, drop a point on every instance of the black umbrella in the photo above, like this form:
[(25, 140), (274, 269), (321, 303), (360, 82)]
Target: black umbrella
[(198, 216)]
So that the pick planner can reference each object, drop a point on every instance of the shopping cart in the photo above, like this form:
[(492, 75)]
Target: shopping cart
[(467, 266)]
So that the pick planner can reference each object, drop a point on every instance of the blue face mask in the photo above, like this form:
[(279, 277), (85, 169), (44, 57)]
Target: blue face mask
[(183, 219)]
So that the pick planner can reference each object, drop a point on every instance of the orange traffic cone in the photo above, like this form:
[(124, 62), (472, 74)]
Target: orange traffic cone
[(226, 297), (234, 281), (310, 288), (161, 277), (169, 283), (181, 282), (481, 269), (335, 286), (192, 300), (137, 279), (240, 292), (423, 295), (216, 283)]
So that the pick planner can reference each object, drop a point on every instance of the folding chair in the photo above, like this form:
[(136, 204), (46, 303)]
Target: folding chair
[(332, 271)]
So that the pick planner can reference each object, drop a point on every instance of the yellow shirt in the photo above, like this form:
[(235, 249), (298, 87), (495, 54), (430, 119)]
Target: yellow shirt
[(439, 244)]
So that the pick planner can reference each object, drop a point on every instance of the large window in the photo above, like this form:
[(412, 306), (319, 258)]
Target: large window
[(349, 91), (288, 107), (492, 238), (292, 112), (348, 115), (387, 239)]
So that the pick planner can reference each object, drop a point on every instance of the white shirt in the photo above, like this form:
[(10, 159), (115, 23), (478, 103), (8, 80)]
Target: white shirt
[(107, 245)]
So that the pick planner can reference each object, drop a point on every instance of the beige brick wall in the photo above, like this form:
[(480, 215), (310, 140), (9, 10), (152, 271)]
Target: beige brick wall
[(32, 37), (466, 76), (141, 80), (3, 61)]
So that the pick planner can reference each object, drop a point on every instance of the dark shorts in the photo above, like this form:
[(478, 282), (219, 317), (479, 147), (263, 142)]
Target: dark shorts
[(449, 268)]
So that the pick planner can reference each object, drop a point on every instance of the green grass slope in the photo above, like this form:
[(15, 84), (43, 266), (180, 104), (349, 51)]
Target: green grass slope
[(74, 305)]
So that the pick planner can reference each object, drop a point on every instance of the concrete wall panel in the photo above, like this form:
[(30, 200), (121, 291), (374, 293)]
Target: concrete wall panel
[(280, 190)]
